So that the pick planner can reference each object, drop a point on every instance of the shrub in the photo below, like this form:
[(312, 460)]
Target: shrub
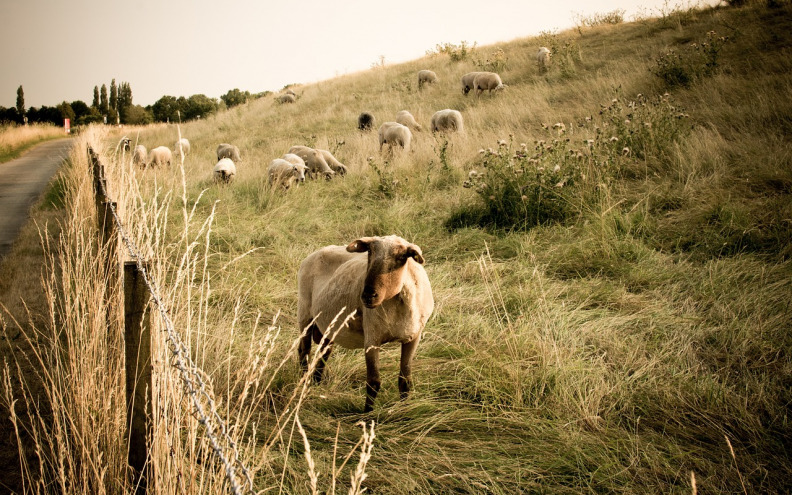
[(387, 183), (613, 17), (496, 62), (565, 53), (690, 64), (456, 53)]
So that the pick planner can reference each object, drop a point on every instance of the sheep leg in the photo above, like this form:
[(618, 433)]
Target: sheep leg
[(305, 347), (372, 377), (405, 368), (325, 348)]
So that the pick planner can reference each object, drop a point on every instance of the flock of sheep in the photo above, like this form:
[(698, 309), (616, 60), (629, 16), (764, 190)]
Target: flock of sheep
[(374, 290)]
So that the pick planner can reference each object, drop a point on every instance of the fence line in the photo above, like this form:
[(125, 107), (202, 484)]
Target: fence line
[(189, 372)]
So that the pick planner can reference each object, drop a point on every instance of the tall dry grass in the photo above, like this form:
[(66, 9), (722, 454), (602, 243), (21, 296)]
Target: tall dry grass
[(15, 139)]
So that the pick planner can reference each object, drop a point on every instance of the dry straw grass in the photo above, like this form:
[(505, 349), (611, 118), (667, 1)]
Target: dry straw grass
[(15, 139)]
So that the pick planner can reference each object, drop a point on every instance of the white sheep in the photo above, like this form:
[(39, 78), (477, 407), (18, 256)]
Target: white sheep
[(285, 173), (447, 120), (314, 160), (290, 92), (161, 155), (294, 159), (182, 145), (381, 282), (426, 77), (225, 150), (487, 81), (395, 134), (224, 171), (333, 162), (543, 58), (139, 155), (406, 118), (467, 81)]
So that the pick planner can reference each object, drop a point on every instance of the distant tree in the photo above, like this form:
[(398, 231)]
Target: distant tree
[(104, 106), (136, 115), (113, 95), (95, 103), (80, 109), (8, 115), (45, 114), (198, 106), (20, 103), (66, 112), (124, 95), (164, 109), (235, 97)]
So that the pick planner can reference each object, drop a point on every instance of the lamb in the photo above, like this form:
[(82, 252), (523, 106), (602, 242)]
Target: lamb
[(447, 120), (287, 98), (467, 81), (487, 81), (426, 76), (334, 164), (226, 150), (182, 144), (314, 160), (161, 155), (543, 58), (224, 171), (386, 292), (139, 155), (393, 133), (284, 173), (406, 118), (365, 121)]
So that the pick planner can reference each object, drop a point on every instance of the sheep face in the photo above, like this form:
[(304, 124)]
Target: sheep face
[(387, 257)]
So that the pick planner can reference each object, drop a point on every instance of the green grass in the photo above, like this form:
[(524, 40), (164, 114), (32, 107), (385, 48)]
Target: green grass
[(615, 348)]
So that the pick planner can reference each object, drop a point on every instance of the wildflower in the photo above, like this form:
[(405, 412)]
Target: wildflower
[(492, 198), (544, 126), (524, 197), (523, 145), (561, 184), (648, 125), (613, 139), (556, 168), (627, 121), (482, 151), (466, 184), (472, 174), (626, 151), (502, 142), (370, 159), (490, 151), (590, 142)]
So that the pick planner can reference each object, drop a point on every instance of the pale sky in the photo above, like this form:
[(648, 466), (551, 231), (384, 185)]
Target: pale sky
[(59, 50)]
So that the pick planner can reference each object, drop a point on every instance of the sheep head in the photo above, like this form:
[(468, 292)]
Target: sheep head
[(387, 259)]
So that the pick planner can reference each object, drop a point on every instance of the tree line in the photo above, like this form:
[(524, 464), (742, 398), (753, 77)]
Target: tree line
[(117, 107)]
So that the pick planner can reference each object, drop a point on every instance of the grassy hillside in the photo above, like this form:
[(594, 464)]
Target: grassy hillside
[(612, 288)]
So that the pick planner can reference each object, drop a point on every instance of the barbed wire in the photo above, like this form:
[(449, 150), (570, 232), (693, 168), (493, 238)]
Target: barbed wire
[(188, 370)]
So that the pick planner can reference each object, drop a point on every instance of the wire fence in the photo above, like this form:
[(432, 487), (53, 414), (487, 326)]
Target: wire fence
[(216, 430)]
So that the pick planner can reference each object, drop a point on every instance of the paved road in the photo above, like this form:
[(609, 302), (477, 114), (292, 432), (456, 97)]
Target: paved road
[(22, 182)]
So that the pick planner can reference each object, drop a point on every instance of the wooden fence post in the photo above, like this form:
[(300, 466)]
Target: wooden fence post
[(139, 384)]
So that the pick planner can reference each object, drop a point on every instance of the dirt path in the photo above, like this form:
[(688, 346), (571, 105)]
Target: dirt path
[(21, 183)]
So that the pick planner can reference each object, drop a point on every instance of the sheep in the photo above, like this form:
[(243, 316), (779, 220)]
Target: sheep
[(406, 118), (333, 163), (284, 173), (365, 121), (426, 76), (125, 143), (287, 98), (290, 92), (314, 160), (161, 155), (182, 145), (386, 292), (226, 150), (447, 120), (294, 159), (393, 133), (139, 155), (224, 171), (467, 81), (543, 58), (487, 81)]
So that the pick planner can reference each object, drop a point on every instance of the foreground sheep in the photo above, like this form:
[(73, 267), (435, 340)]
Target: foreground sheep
[(406, 118), (139, 155), (426, 77), (333, 163), (365, 121), (487, 81), (314, 160), (543, 58), (161, 155), (378, 280), (395, 134), (224, 171), (447, 120), (181, 146), (226, 150), (284, 173), (467, 81)]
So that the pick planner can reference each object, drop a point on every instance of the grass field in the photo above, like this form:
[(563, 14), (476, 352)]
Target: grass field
[(15, 140), (612, 291)]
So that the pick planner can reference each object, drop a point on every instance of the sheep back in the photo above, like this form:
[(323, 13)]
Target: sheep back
[(406, 118), (365, 121), (447, 120), (225, 150), (161, 155), (313, 159)]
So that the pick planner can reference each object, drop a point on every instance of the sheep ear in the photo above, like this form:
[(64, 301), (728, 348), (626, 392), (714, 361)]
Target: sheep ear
[(415, 253), (360, 245)]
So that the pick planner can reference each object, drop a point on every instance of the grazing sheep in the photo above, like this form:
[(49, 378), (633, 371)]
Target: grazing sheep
[(447, 120), (182, 144), (139, 155), (314, 160), (294, 159), (284, 173), (337, 166), (543, 58), (226, 150), (393, 133), (467, 81), (365, 121), (487, 81), (290, 92), (125, 143), (224, 171), (386, 291), (161, 155), (406, 118), (426, 76), (287, 98)]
